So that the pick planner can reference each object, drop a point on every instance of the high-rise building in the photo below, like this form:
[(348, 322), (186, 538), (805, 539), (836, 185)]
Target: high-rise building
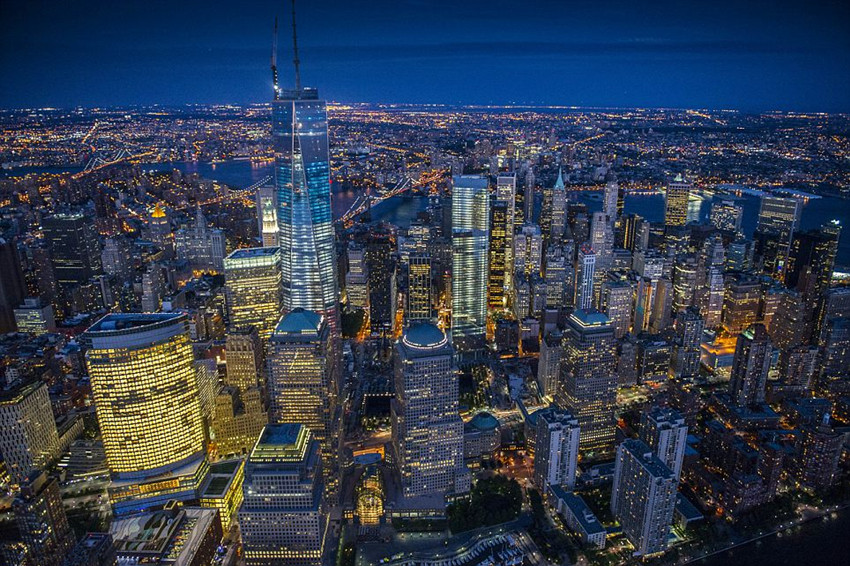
[(382, 279), (237, 420), (819, 455), (689, 326), (357, 278), (726, 215), (555, 449), (676, 201), (628, 235), (74, 248), (35, 317), (557, 274), (267, 227), (506, 193), (549, 365), (643, 497), (42, 523), (145, 388), (203, 247), (244, 351), (427, 429), (94, 549), (252, 278), (301, 379), (779, 218), (528, 250), (470, 253), (741, 303), (609, 198), (497, 287), (617, 302), (558, 213), (13, 288), (304, 215), (585, 277), (29, 441), (418, 288), (159, 231), (750, 366), (282, 519), (665, 432), (588, 385)]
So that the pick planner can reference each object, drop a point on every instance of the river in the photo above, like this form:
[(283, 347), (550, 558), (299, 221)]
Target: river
[(815, 543)]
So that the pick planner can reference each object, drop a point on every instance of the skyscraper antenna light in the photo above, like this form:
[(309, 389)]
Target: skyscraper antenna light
[(295, 51), (275, 84)]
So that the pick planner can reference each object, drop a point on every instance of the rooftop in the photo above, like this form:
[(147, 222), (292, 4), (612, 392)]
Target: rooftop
[(424, 335), (116, 322), (300, 321), (244, 253), (484, 421), (281, 443)]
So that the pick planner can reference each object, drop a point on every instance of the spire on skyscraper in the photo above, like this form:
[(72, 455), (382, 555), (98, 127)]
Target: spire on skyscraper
[(559, 184), (295, 59)]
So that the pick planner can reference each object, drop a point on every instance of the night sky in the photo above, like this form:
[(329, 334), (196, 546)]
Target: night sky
[(746, 54)]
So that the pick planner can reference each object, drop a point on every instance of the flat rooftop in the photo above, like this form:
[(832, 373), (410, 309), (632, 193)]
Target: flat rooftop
[(126, 321)]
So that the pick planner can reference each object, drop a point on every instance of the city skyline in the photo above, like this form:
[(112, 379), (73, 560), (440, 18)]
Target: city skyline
[(755, 56)]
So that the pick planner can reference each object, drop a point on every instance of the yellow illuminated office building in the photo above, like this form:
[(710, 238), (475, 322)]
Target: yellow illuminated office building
[(253, 288), (146, 397)]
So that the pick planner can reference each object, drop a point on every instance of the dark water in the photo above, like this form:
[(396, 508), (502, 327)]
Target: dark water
[(814, 544)]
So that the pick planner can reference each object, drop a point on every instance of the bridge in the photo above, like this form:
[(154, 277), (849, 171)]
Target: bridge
[(365, 201)]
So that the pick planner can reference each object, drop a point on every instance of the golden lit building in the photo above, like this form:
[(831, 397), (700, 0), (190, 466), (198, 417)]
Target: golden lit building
[(238, 420), (223, 489), (244, 352), (145, 391), (370, 497), (29, 441), (676, 199), (253, 288)]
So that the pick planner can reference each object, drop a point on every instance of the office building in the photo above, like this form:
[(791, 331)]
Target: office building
[(588, 386), (549, 364), (203, 247), (687, 344), (380, 261), (585, 277), (244, 354), (35, 317), (676, 199), (665, 432), (558, 212), (643, 497), (779, 218), (418, 288), (528, 250), (29, 441), (42, 523), (617, 302), (146, 395), (13, 289), (498, 274), (506, 193), (427, 430), (726, 215), (555, 449), (304, 217), (74, 248), (175, 535), (94, 549), (750, 367), (252, 279), (267, 227), (282, 518), (470, 254), (357, 278), (238, 417)]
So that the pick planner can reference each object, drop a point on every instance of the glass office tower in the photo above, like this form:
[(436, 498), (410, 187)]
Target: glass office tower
[(305, 221)]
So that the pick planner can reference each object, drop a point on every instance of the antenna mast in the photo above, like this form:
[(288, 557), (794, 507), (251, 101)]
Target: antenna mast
[(274, 63), (295, 51)]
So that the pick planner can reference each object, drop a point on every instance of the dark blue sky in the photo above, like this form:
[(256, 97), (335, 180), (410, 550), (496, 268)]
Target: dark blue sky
[(745, 54)]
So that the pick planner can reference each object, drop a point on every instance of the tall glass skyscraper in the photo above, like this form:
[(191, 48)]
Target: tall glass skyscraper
[(470, 246), (303, 184)]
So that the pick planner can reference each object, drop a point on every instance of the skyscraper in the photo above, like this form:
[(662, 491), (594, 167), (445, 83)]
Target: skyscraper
[(13, 289), (750, 366), (687, 344), (585, 277), (203, 247), (300, 377), (42, 522), (497, 287), (470, 253), (244, 351), (357, 278), (643, 497), (665, 432), (609, 198), (418, 288), (382, 279), (726, 215), (282, 518), (558, 214), (29, 441), (555, 449), (506, 193), (676, 201), (588, 387), (304, 216), (427, 429), (252, 278), (74, 248), (267, 227), (528, 250), (779, 218), (145, 388)]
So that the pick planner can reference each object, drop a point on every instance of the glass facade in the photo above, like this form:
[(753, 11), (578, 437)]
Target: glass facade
[(305, 222), (253, 288)]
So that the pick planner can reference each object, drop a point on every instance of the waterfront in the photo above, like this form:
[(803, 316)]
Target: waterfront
[(816, 542)]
